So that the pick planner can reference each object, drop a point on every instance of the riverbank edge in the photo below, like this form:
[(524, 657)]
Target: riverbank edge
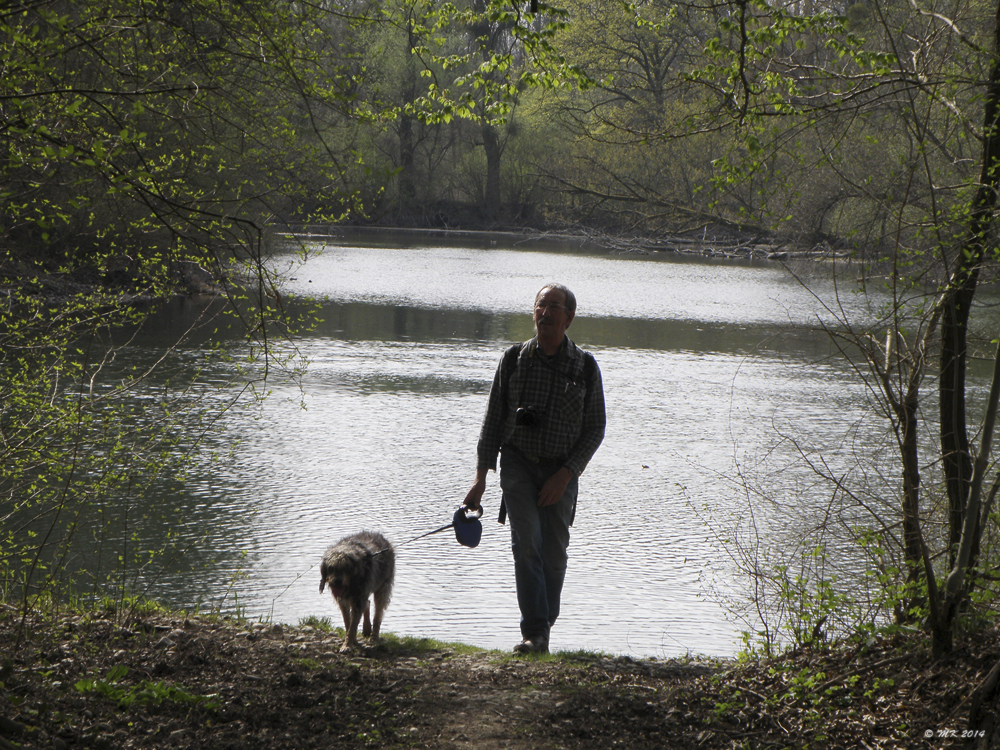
[(143, 677), (721, 243)]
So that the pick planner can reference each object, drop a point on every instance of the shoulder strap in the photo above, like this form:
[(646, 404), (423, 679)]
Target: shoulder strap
[(586, 369), (510, 359), (507, 367), (589, 363)]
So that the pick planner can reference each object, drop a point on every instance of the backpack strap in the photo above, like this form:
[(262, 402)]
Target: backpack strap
[(508, 366), (510, 359), (589, 365)]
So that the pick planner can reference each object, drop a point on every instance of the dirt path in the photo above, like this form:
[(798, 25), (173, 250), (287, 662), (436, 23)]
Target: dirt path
[(156, 681)]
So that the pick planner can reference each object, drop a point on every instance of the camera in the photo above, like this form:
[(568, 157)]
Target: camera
[(528, 416)]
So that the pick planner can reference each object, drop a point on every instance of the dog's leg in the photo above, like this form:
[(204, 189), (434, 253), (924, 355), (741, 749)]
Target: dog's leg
[(352, 630), (380, 604), (350, 624), (345, 611), (366, 631)]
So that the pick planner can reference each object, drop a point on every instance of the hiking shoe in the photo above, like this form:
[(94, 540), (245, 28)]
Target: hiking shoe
[(537, 645)]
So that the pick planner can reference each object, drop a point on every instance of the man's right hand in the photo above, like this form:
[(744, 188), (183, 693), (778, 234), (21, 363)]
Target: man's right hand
[(474, 498)]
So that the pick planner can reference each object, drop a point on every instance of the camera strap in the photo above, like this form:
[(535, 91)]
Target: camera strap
[(517, 352), (532, 351)]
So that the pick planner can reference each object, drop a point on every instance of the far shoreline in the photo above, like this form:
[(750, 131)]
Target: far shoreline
[(721, 244)]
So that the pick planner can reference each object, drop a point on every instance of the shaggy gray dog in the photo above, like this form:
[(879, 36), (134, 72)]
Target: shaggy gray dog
[(355, 568)]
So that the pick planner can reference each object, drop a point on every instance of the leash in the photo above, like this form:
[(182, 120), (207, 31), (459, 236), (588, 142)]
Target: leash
[(462, 515), (436, 531)]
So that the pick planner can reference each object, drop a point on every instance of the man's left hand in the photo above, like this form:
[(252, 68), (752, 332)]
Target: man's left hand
[(554, 487)]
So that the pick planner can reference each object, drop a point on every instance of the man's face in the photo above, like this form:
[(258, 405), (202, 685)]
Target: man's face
[(551, 316)]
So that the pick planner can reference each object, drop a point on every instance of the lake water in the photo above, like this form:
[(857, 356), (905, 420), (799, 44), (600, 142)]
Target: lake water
[(716, 378)]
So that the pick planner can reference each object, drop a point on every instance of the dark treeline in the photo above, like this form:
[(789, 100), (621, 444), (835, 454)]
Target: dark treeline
[(192, 124)]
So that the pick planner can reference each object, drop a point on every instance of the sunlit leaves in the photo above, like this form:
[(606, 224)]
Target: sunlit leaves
[(508, 49), (139, 138)]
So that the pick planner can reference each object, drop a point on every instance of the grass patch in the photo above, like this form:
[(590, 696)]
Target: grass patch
[(412, 646), (322, 624), (145, 693)]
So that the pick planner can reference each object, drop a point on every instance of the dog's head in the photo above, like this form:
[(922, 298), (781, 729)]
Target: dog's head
[(335, 573)]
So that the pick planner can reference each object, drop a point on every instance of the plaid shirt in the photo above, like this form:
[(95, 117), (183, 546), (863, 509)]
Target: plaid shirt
[(569, 407)]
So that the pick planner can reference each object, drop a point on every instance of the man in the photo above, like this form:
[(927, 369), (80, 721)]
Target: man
[(545, 417)]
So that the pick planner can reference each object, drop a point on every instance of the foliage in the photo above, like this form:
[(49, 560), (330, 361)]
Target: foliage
[(446, 83), (800, 92), (143, 151), (145, 693), (661, 117), (800, 594)]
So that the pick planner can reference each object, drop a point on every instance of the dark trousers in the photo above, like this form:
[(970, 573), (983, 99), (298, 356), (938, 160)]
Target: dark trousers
[(539, 538)]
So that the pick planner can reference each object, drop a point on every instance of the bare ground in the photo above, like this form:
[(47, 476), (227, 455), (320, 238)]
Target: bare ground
[(96, 680)]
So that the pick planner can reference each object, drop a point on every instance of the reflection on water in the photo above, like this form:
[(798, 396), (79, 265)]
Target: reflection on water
[(702, 363)]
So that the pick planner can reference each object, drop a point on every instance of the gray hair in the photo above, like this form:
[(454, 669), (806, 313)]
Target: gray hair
[(570, 297)]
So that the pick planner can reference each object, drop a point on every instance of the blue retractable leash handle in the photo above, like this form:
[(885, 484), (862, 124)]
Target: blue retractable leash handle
[(468, 529)]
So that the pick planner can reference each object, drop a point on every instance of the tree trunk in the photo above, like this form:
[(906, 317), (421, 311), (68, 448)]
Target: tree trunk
[(955, 453), (491, 194), (984, 712), (407, 179), (956, 304), (906, 412)]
